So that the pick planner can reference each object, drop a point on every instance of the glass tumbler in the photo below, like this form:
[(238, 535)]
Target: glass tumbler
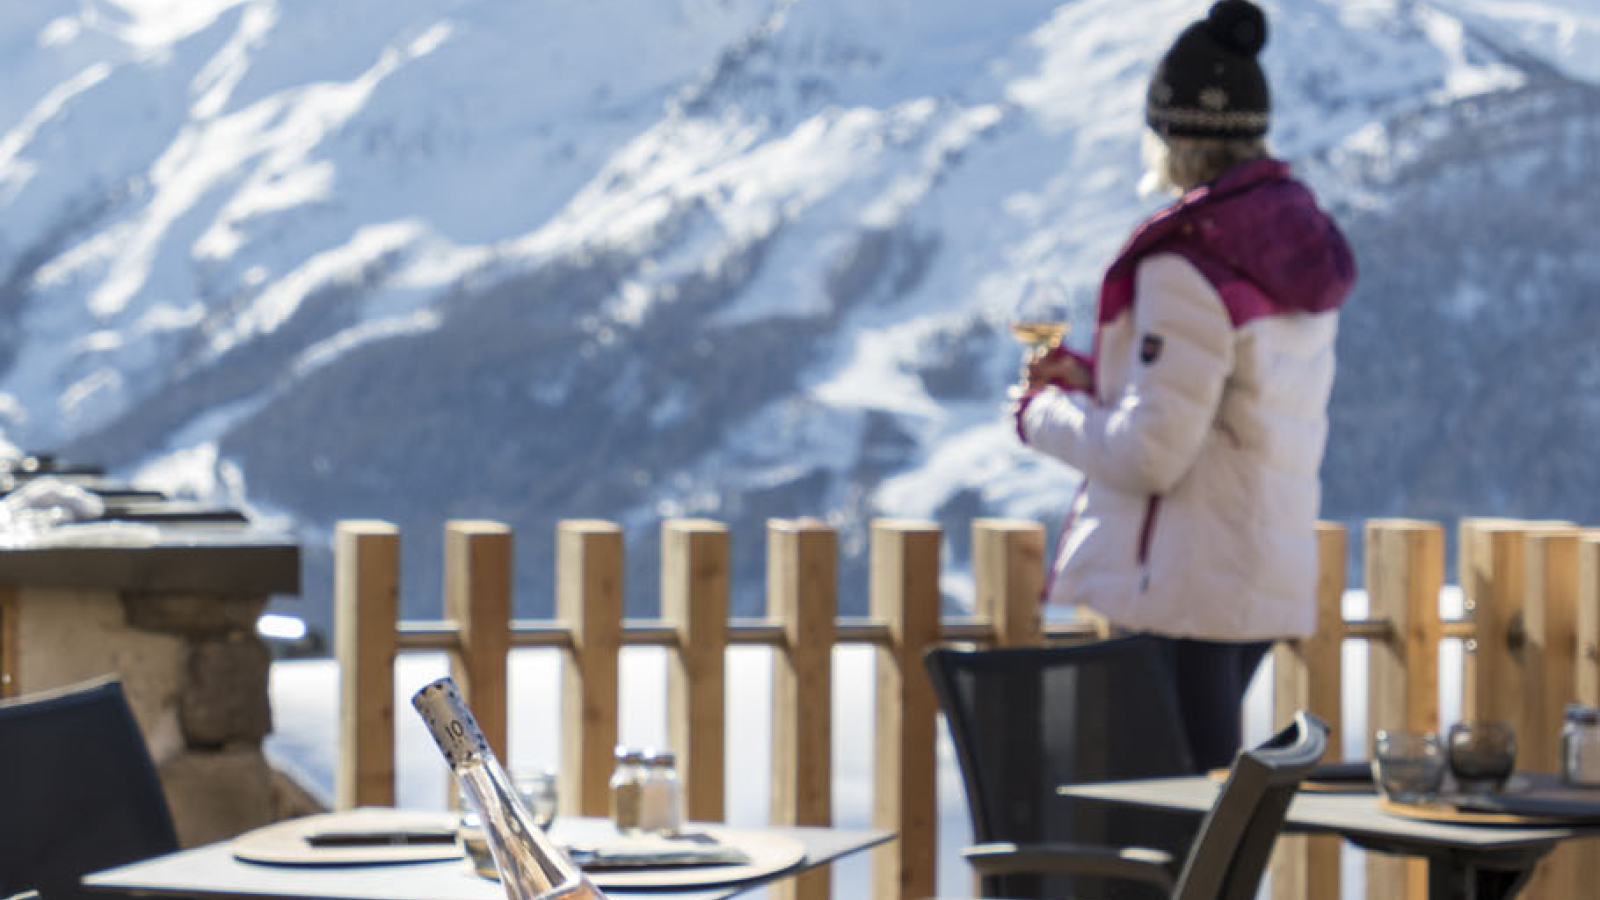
[(1482, 755), (1408, 766), (537, 787), (474, 845)]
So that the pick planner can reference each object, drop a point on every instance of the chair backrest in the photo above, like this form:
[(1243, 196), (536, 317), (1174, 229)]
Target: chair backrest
[(1027, 720), (1231, 851), (79, 790)]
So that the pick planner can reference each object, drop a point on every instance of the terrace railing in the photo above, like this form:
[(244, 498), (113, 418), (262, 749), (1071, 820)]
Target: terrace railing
[(1531, 633)]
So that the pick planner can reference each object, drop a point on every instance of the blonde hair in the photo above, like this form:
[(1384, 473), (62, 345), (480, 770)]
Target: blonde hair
[(1177, 165)]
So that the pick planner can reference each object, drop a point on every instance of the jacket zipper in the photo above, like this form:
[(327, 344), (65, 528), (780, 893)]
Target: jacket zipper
[(1068, 521), (1151, 507)]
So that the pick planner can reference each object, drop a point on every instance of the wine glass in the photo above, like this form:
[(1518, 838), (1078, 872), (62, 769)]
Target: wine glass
[(1039, 334), (1039, 320)]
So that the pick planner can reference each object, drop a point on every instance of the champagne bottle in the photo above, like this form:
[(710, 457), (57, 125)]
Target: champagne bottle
[(530, 864)]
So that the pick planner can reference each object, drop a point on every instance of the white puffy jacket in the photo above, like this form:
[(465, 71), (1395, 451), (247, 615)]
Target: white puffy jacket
[(1200, 448)]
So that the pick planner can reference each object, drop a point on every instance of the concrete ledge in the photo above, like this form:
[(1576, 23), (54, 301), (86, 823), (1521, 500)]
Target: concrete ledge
[(214, 563)]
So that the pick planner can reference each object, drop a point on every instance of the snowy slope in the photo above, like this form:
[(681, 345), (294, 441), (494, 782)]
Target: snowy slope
[(622, 258), (191, 171)]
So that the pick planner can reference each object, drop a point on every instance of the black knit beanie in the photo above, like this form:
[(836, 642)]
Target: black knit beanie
[(1209, 84)]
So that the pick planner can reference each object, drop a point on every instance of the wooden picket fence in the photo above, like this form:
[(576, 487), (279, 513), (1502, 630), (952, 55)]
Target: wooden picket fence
[(1531, 633)]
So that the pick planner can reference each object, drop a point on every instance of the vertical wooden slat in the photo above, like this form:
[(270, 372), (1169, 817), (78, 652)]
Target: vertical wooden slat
[(9, 645), (366, 610), (1551, 622), (1492, 559), (477, 595), (1404, 572), (1008, 576), (1493, 572), (1308, 674), (905, 594), (695, 580), (802, 594), (1586, 683), (589, 602), (1506, 670), (1587, 677), (1474, 569)]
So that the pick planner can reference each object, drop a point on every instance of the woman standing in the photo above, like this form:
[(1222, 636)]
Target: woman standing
[(1199, 422)]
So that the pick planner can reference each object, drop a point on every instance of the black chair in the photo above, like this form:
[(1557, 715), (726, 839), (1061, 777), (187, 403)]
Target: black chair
[(1026, 720), (80, 792), (1236, 840)]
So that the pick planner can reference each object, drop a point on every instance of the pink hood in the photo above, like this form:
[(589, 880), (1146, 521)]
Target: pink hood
[(1256, 234)]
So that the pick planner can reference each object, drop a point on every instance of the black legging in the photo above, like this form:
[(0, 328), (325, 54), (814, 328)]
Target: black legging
[(1211, 678)]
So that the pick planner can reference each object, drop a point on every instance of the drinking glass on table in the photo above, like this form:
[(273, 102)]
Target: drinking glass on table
[(538, 790), (1408, 766), (536, 787), (1482, 755)]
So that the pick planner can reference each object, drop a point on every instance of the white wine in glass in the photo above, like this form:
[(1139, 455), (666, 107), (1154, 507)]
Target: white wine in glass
[(1040, 313), (1039, 334)]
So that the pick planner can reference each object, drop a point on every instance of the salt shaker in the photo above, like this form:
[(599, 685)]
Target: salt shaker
[(627, 789), (661, 796), (1580, 746)]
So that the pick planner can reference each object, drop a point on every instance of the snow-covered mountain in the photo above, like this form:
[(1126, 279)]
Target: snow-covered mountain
[(423, 259)]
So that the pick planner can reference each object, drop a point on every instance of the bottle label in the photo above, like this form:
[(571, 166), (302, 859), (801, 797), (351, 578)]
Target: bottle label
[(451, 722)]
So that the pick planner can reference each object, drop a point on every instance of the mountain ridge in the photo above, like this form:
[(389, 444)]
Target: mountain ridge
[(746, 260)]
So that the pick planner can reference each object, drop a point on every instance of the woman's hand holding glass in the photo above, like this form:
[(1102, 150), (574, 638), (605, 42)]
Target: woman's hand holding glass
[(1045, 366)]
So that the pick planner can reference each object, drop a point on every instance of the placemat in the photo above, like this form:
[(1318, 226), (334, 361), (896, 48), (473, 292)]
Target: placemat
[(370, 835), (1497, 809), (1442, 812), (767, 854)]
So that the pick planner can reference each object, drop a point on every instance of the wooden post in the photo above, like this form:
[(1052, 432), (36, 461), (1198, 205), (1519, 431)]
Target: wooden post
[(477, 597), (1506, 665), (905, 594), (1504, 670), (366, 610), (589, 603), (1008, 573), (1404, 563), (9, 645), (1308, 674), (1488, 549), (1550, 614), (1586, 686), (1587, 676), (695, 579), (802, 595)]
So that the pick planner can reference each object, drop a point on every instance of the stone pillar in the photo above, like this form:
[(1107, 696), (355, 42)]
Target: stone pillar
[(218, 782), (177, 624)]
